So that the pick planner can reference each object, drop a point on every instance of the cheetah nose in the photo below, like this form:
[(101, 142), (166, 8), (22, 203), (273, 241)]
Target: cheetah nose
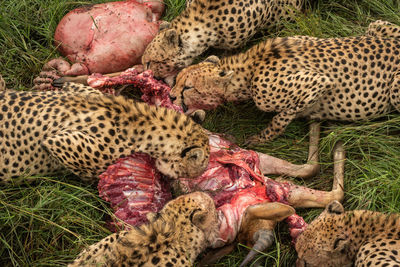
[(172, 98), (147, 66)]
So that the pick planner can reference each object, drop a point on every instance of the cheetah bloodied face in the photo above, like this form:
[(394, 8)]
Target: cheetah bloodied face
[(165, 54), (201, 86), (324, 242)]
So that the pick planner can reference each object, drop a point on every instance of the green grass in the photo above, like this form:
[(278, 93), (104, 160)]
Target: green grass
[(46, 223)]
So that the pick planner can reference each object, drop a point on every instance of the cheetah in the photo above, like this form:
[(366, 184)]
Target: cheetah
[(204, 24), (174, 237), (82, 130), (348, 79), (352, 238)]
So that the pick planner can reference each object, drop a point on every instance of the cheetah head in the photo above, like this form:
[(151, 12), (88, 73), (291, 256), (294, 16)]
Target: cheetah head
[(199, 208), (324, 242), (191, 163), (189, 160), (165, 54), (201, 86)]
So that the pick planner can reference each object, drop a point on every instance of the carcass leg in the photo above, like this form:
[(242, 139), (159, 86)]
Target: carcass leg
[(272, 165), (82, 79), (303, 197)]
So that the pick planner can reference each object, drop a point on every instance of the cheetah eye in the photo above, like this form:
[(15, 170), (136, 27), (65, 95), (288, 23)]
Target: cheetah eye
[(336, 243), (184, 107), (187, 87), (180, 65), (341, 245), (222, 73)]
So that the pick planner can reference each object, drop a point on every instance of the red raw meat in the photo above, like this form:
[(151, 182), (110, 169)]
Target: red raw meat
[(108, 37), (234, 181), (230, 170), (232, 178), (155, 92), (134, 187)]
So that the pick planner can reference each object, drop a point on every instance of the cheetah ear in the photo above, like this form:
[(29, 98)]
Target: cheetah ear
[(198, 116), (334, 208), (164, 25), (172, 38), (341, 245), (212, 59), (194, 155), (198, 217)]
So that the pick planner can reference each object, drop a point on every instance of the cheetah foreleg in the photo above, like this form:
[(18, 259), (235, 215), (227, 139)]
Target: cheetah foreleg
[(272, 165), (302, 90), (275, 128), (303, 197)]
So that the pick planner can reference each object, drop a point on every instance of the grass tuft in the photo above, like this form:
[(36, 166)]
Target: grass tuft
[(48, 222)]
